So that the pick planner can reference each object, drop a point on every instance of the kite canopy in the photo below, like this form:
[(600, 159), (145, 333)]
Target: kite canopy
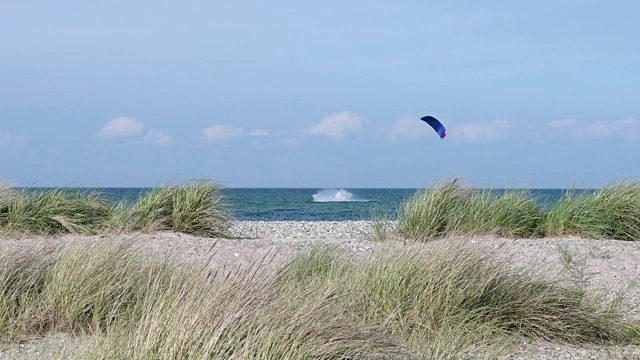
[(436, 125)]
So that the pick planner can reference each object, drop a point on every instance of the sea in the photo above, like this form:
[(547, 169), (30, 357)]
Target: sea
[(313, 204)]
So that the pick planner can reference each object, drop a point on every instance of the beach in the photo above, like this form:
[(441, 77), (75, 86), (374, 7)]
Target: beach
[(605, 266)]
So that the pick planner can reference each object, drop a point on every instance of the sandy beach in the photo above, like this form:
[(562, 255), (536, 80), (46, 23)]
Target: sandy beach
[(605, 266)]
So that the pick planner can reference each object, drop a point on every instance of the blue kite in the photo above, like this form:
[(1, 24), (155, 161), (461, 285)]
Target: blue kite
[(436, 125)]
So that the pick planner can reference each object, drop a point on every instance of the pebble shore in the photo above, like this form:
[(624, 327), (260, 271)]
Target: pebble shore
[(317, 230)]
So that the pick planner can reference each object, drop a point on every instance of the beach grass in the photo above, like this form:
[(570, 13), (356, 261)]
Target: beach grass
[(446, 302), (85, 289), (6, 193), (53, 212), (383, 226), (451, 302), (196, 208), (611, 212), (164, 309), (450, 208)]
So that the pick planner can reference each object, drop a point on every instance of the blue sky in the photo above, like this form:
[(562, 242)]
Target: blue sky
[(324, 94)]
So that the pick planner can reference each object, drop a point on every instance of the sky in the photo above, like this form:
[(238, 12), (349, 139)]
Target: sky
[(323, 94)]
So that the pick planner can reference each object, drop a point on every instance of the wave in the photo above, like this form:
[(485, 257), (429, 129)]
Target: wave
[(335, 195)]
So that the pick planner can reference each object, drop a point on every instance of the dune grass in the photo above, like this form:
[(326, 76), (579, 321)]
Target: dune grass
[(611, 212), (85, 289), (445, 302), (451, 302), (53, 212), (196, 208), (6, 192), (382, 224), (450, 209), (163, 309), (245, 317)]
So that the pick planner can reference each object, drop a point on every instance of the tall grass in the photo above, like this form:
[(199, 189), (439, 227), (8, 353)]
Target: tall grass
[(23, 275), (450, 208), (91, 289), (382, 224), (84, 289), (610, 212), (53, 212), (6, 192), (435, 212), (516, 214), (245, 317), (574, 215), (451, 302), (197, 208), (445, 302), (163, 309)]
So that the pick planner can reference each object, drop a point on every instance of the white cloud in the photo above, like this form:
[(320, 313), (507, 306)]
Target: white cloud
[(410, 129), (158, 137), (563, 123), (259, 132), (121, 127), (489, 131), (337, 125), (628, 129), (218, 133)]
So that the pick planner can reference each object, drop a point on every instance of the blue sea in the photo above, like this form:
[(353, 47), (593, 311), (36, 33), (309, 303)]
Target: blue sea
[(313, 204)]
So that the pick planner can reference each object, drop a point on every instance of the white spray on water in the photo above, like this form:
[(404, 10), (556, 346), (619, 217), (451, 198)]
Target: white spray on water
[(334, 195)]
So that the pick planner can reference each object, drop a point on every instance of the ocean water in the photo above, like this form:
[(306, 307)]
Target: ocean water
[(313, 204), (332, 204)]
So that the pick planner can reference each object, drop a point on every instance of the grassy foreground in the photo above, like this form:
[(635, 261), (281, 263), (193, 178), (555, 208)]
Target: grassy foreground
[(446, 303), (450, 208), (197, 208)]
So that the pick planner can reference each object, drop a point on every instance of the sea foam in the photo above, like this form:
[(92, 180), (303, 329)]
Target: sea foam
[(334, 195)]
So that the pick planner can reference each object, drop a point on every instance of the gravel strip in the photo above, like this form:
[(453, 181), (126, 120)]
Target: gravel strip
[(308, 230)]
